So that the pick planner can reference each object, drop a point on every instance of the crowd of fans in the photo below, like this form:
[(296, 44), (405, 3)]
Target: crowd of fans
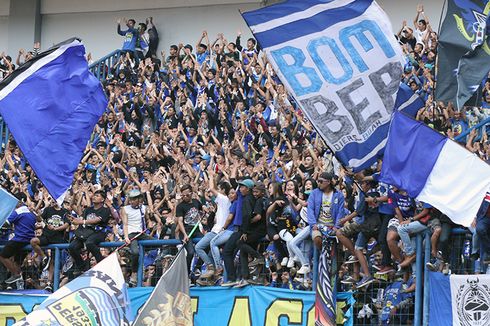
[(204, 142)]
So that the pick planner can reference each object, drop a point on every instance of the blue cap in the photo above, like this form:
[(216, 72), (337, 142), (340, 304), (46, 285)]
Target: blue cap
[(247, 183)]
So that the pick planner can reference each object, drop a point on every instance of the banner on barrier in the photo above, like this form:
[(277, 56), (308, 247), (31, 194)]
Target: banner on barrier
[(235, 307)]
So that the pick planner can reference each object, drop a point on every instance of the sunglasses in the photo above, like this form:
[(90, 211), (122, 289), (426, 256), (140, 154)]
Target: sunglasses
[(322, 180)]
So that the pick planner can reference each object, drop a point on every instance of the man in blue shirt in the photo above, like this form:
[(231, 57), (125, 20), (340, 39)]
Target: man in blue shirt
[(130, 35), (325, 208), (23, 222)]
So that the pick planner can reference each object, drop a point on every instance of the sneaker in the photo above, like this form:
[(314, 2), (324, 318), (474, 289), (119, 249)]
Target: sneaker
[(257, 281), (13, 279), (133, 280), (305, 269), (371, 245), (433, 264), (284, 262), (229, 283), (400, 270), (290, 263), (348, 280), (366, 280), (48, 287), (258, 261), (352, 260), (204, 282), (209, 272), (385, 270), (45, 263), (446, 270), (241, 284), (378, 268)]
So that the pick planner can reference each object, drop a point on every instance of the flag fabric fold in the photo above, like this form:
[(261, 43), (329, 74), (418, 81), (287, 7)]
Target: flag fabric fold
[(9, 202), (464, 50), (51, 105), (459, 300), (97, 297), (169, 302), (341, 62), (434, 169)]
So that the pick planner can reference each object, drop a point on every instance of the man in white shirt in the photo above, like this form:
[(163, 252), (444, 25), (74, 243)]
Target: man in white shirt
[(135, 218), (223, 202)]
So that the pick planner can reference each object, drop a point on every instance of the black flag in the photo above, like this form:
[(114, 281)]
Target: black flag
[(464, 50)]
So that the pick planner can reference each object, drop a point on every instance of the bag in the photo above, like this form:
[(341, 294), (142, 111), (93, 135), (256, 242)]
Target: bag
[(83, 233)]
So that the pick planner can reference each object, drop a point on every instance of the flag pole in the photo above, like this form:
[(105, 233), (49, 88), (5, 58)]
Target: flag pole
[(131, 240)]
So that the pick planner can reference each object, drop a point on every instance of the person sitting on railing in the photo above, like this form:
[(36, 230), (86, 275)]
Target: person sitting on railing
[(56, 224), (482, 225), (92, 229), (410, 227), (23, 222), (130, 35), (135, 218), (366, 224), (188, 214)]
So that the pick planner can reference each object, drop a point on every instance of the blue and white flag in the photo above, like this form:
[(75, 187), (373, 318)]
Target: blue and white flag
[(51, 105), (7, 206), (459, 300), (434, 169), (343, 65), (98, 297)]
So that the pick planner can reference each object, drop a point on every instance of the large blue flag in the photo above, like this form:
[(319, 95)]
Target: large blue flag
[(343, 65), (459, 300), (434, 169), (51, 105)]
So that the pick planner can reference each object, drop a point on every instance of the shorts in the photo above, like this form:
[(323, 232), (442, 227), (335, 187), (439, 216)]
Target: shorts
[(14, 248), (361, 241), (322, 230), (315, 234), (44, 240), (434, 224), (393, 224), (350, 230)]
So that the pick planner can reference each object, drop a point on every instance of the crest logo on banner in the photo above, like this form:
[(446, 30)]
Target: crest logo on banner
[(473, 303), (98, 297), (471, 22)]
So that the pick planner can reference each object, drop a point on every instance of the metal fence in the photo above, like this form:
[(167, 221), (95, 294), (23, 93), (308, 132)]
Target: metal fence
[(370, 300)]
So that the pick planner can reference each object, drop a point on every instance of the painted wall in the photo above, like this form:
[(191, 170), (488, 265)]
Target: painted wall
[(4, 24), (98, 29), (176, 20)]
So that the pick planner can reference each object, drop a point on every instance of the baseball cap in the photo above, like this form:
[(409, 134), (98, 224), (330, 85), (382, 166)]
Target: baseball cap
[(134, 193), (326, 176), (247, 183), (260, 186)]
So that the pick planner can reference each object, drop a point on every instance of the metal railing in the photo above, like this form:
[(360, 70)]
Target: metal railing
[(419, 313), (102, 67)]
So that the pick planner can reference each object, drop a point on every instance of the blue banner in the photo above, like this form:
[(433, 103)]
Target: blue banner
[(252, 305)]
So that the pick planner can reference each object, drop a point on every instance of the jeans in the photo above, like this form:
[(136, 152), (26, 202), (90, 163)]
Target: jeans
[(229, 252), (248, 248), (405, 230), (483, 230), (383, 230), (92, 244), (202, 245), (218, 241), (293, 245), (134, 249)]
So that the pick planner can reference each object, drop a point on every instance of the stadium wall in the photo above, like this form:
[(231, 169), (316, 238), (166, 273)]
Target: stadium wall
[(176, 20)]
